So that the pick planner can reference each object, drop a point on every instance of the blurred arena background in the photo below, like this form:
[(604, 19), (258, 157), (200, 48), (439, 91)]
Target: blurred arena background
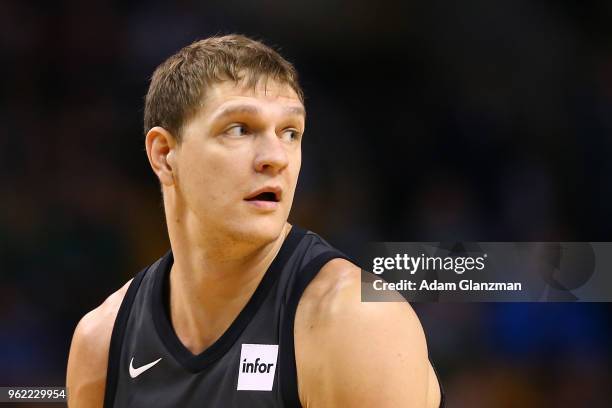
[(427, 121)]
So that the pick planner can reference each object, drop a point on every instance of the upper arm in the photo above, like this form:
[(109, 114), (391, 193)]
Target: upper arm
[(88, 359), (357, 354)]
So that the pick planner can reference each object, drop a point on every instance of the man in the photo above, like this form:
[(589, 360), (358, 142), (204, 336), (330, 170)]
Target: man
[(245, 310)]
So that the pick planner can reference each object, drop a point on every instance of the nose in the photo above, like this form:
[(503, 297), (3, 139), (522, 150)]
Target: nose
[(271, 155)]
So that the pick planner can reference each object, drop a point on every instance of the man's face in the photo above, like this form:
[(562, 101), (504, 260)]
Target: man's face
[(239, 160)]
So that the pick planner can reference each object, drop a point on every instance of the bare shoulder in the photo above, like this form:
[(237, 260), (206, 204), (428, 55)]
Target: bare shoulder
[(87, 363), (353, 353), (333, 299)]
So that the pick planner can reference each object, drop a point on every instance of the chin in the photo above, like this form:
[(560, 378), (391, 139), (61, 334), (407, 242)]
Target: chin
[(261, 231)]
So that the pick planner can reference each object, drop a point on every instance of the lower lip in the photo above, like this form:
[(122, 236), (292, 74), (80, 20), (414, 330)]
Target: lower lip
[(264, 205)]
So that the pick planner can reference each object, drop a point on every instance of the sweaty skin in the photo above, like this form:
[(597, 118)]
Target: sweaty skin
[(348, 353)]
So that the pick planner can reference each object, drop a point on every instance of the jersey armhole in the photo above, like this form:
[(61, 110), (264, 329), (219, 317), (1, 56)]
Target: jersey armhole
[(114, 352), (288, 382)]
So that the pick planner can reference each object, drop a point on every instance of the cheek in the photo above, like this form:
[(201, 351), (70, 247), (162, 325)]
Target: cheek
[(196, 174), (214, 177), (296, 164)]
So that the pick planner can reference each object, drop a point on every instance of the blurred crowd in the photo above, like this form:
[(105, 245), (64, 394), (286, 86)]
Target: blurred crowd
[(427, 121)]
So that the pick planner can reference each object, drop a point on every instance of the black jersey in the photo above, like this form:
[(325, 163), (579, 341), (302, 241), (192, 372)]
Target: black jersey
[(251, 365)]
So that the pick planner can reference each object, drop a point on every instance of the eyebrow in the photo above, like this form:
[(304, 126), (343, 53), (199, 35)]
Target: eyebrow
[(254, 110)]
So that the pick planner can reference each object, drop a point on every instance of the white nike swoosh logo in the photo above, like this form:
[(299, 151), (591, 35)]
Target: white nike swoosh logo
[(135, 372)]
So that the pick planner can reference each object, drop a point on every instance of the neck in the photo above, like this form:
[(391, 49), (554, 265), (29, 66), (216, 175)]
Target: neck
[(211, 280)]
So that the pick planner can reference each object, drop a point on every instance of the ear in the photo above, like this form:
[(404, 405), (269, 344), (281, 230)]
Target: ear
[(161, 148)]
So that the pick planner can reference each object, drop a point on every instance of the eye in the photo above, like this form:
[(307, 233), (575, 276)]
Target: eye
[(237, 131), (291, 135)]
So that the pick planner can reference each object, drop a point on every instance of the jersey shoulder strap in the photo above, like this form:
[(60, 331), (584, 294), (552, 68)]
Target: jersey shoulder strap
[(114, 352), (289, 388)]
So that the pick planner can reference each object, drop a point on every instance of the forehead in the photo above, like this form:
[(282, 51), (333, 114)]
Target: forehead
[(264, 93)]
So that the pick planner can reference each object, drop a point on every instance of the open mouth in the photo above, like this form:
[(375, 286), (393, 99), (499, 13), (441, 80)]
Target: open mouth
[(268, 194), (265, 196)]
